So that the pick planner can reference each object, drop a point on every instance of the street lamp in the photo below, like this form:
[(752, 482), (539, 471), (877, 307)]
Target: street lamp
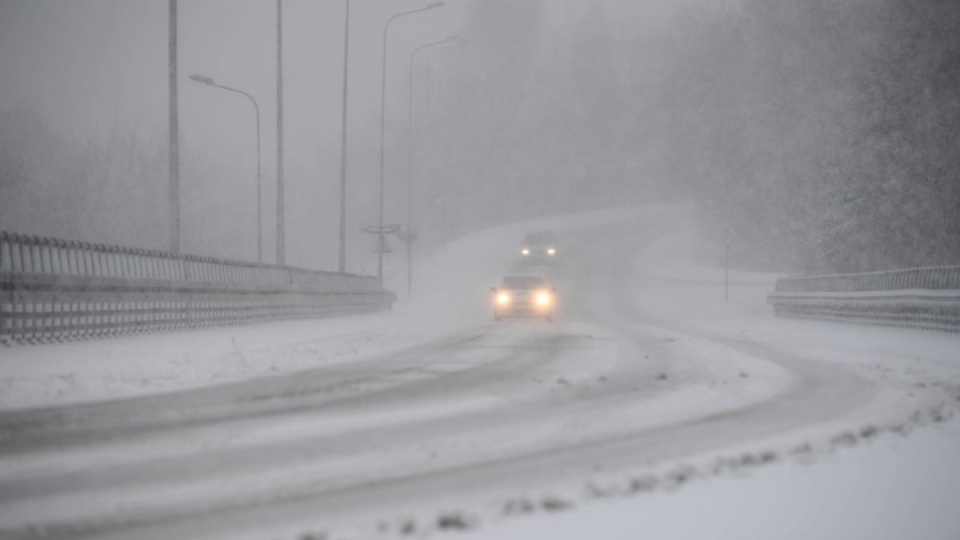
[(342, 265), (410, 150), (173, 150), (210, 82), (281, 197), (383, 117)]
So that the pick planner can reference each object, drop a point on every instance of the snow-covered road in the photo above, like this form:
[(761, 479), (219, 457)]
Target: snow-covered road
[(437, 418)]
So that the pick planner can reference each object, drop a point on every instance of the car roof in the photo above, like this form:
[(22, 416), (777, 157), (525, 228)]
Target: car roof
[(540, 236), (523, 282)]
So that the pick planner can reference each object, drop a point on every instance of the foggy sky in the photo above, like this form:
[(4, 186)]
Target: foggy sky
[(86, 65)]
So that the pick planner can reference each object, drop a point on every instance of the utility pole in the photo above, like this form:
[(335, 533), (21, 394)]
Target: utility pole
[(728, 236), (726, 271), (173, 150), (281, 237), (342, 266)]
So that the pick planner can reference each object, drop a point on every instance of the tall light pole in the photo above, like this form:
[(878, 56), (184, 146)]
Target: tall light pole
[(342, 266), (210, 82), (281, 236), (173, 151), (383, 118), (410, 158)]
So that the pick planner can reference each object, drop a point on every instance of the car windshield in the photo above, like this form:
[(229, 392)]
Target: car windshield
[(539, 238), (523, 282)]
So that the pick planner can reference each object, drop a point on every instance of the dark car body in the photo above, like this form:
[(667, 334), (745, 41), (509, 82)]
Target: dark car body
[(523, 296)]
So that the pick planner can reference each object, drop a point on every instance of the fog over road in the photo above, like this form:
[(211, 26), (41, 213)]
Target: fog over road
[(621, 380), (171, 169)]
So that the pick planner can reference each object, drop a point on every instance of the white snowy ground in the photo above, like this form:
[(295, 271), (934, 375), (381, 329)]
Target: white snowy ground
[(897, 487), (896, 477), (888, 469)]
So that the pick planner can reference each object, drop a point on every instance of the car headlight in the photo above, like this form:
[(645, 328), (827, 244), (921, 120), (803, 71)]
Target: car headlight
[(543, 298), (503, 298), (551, 251), (524, 251)]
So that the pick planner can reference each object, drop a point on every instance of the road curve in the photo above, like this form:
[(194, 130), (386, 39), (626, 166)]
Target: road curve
[(493, 408)]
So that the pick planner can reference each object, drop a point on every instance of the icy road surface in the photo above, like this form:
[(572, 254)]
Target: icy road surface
[(434, 417)]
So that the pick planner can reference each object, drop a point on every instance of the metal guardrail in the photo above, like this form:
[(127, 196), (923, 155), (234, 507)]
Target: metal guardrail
[(53, 289), (926, 298), (932, 277)]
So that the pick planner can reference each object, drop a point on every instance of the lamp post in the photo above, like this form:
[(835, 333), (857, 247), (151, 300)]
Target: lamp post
[(281, 234), (383, 117), (173, 150), (410, 158), (342, 266), (210, 82)]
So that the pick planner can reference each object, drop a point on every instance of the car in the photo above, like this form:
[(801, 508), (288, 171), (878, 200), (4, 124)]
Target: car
[(539, 247), (523, 296)]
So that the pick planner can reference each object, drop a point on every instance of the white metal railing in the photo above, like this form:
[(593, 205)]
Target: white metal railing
[(927, 298), (931, 277), (53, 289)]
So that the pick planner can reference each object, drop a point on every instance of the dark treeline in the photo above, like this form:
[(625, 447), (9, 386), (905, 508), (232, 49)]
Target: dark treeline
[(825, 134)]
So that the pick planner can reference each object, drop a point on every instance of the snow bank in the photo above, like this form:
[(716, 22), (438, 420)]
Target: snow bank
[(896, 488)]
